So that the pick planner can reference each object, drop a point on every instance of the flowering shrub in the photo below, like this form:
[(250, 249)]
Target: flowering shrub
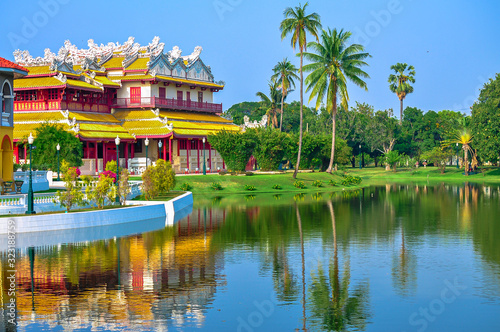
[(299, 184), (317, 183), (109, 174), (77, 170), (250, 187)]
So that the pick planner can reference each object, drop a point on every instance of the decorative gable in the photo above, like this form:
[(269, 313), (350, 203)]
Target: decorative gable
[(178, 68), (160, 66), (198, 71)]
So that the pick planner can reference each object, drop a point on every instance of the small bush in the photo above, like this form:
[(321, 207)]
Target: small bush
[(109, 174), (332, 183), (186, 187), (216, 186), (351, 180), (250, 187), (299, 184), (317, 183), (277, 187)]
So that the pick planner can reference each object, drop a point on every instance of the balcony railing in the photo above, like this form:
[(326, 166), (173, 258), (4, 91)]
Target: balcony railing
[(177, 104), (60, 105)]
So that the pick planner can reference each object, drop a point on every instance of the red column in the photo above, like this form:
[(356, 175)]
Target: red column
[(16, 153), (104, 155), (165, 149), (25, 151), (126, 155), (170, 149), (198, 146), (210, 157), (96, 160), (88, 152), (188, 152)]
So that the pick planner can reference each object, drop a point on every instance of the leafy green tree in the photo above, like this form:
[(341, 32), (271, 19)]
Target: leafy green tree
[(270, 148), (100, 192), (400, 82), (124, 186), (270, 103), (332, 64), (312, 146), (298, 24), (381, 133), (236, 148), (485, 124), (156, 180), (287, 73), (47, 136), (73, 194), (252, 109), (392, 158), (439, 157)]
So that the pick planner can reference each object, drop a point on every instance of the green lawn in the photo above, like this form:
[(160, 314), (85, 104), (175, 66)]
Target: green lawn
[(263, 183)]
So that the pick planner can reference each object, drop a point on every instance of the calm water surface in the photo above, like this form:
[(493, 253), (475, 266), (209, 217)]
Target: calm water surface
[(391, 258)]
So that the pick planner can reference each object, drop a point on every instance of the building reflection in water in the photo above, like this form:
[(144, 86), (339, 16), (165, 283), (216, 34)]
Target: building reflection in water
[(148, 281)]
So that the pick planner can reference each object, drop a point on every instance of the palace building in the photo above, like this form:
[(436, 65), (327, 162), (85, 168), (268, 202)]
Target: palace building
[(128, 91), (8, 72)]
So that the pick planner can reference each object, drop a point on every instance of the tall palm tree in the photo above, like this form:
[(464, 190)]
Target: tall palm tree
[(298, 24), (332, 64), (287, 72), (271, 102), (400, 82)]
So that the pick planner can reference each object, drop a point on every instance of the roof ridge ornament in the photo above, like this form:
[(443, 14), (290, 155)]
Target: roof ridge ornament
[(156, 112), (61, 77)]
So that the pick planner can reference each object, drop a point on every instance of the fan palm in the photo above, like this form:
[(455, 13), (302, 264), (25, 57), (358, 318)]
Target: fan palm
[(332, 64), (271, 102), (298, 24), (400, 83), (286, 72), (463, 137)]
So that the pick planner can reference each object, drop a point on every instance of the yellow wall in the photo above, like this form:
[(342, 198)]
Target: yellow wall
[(6, 153)]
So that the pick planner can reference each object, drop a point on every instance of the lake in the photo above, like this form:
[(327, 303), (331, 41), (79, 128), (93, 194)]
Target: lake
[(385, 258)]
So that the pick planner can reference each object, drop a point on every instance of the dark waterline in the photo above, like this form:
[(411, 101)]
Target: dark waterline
[(386, 258)]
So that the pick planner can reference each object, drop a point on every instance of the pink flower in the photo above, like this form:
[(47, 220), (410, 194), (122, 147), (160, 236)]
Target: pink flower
[(109, 174)]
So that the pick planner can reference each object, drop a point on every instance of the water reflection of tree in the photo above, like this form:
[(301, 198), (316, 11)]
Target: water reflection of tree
[(404, 269), (285, 283), (332, 301)]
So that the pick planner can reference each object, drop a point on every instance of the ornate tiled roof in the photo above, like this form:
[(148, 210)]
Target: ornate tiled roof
[(38, 82), (4, 63)]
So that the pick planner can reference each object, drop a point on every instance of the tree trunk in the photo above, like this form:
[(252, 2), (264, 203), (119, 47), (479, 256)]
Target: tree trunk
[(401, 111), (376, 161), (466, 164), (334, 125), (282, 101), (301, 105)]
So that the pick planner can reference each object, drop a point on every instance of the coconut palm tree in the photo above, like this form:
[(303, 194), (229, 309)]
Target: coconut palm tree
[(298, 24), (271, 102), (400, 83), (333, 63), (286, 72)]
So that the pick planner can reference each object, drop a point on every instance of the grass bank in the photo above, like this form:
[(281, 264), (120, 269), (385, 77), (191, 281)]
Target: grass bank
[(263, 183)]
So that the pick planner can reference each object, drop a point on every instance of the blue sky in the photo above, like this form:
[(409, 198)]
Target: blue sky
[(453, 45)]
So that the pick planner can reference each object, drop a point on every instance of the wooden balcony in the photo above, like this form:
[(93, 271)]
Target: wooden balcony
[(176, 104)]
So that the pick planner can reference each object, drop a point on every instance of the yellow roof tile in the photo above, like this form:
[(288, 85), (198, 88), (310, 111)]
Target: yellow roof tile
[(102, 127), (194, 116), (106, 81), (134, 114), (38, 117), (131, 78), (38, 82), (114, 62), (93, 117), (39, 70), (139, 64), (204, 126), (105, 134), (22, 131), (82, 85)]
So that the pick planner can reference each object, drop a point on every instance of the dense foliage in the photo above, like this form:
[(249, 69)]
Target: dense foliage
[(270, 148), (73, 194), (236, 148), (47, 136), (158, 179)]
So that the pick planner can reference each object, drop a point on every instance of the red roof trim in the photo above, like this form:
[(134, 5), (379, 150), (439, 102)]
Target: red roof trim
[(4, 63)]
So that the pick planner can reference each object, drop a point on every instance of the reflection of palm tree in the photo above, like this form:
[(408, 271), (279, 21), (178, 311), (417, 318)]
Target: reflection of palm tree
[(299, 221), (339, 310), (284, 280), (404, 274)]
